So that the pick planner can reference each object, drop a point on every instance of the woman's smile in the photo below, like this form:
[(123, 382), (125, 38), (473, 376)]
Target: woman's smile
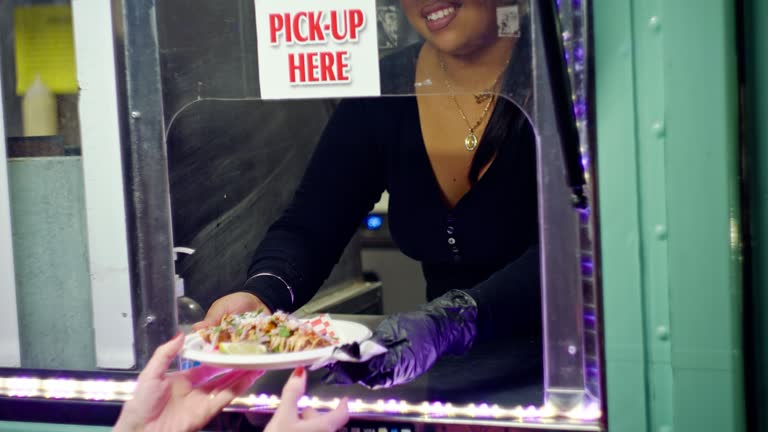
[(439, 14)]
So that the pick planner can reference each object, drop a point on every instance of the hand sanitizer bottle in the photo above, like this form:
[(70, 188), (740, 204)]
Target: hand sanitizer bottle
[(189, 311)]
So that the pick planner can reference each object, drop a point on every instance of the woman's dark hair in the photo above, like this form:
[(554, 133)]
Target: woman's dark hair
[(508, 121)]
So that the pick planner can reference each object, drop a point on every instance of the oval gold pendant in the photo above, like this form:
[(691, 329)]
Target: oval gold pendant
[(470, 142)]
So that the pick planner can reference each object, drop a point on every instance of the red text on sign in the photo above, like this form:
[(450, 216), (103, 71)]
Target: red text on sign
[(312, 27), (318, 67)]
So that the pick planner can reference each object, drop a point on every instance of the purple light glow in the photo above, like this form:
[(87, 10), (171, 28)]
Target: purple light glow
[(578, 52), (590, 321), (576, 4), (580, 109), (584, 215), (531, 411)]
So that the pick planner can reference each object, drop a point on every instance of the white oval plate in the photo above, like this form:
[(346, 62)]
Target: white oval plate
[(346, 332)]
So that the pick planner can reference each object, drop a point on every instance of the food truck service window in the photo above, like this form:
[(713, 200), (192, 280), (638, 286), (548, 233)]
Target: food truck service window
[(364, 163)]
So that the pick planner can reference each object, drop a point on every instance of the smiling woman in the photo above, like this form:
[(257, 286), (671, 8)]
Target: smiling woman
[(455, 27), (445, 156)]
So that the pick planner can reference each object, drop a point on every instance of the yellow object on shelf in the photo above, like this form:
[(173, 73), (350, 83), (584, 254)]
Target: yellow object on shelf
[(45, 47)]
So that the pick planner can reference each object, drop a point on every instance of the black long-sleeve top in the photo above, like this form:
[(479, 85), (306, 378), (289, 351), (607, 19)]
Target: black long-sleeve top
[(486, 245)]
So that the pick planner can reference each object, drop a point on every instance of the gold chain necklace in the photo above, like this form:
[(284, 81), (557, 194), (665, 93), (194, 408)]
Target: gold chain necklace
[(470, 141), (485, 93)]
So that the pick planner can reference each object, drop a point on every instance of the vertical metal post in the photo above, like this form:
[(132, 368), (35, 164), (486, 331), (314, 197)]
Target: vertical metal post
[(10, 350), (146, 173), (104, 186), (564, 374), (553, 55)]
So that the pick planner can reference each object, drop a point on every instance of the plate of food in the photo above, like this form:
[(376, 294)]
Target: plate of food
[(257, 340)]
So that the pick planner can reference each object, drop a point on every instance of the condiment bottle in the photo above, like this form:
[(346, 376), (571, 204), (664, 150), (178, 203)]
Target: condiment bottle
[(39, 111)]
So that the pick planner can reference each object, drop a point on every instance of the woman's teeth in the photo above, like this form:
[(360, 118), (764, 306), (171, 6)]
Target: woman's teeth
[(434, 16)]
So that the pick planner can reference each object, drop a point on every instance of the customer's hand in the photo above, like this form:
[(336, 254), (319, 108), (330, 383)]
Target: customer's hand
[(180, 401), (288, 419), (235, 303)]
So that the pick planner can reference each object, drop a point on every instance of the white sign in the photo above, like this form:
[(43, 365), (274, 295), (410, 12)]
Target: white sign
[(311, 49)]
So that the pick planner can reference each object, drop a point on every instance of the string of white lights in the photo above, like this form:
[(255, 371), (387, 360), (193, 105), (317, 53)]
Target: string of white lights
[(109, 390)]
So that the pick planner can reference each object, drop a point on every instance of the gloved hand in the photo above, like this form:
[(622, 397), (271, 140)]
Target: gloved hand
[(414, 341)]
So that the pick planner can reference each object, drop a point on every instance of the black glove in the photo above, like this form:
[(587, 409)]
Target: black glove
[(414, 341)]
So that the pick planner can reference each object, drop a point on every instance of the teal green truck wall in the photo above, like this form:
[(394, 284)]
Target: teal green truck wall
[(48, 427), (667, 131), (756, 133)]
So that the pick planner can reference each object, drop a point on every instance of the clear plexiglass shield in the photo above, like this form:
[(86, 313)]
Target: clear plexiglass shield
[(250, 87)]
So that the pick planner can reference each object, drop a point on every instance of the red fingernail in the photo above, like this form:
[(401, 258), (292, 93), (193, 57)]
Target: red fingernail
[(299, 371)]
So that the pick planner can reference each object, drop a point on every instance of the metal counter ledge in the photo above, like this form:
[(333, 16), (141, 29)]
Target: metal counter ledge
[(505, 374), (500, 374)]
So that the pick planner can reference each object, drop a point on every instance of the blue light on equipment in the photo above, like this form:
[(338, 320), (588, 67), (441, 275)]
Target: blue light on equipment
[(373, 222)]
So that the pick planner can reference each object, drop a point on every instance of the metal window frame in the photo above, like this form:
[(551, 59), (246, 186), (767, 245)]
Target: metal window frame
[(10, 345), (569, 243), (151, 230), (142, 130), (104, 189)]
